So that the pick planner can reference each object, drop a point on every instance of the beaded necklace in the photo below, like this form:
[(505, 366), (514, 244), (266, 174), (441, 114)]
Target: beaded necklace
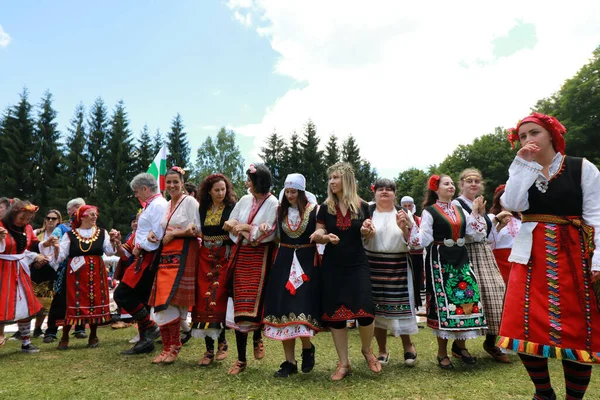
[(90, 240)]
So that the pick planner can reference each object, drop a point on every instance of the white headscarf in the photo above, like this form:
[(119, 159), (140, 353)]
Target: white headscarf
[(298, 182), (408, 199)]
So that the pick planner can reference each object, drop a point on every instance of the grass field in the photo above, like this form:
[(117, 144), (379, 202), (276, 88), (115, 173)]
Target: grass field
[(103, 373)]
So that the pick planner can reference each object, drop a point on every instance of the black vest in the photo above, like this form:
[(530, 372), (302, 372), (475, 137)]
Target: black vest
[(96, 248), (564, 196), (441, 228)]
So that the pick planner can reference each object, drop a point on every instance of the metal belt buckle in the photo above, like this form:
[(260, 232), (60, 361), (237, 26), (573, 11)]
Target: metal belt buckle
[(460, 242), (448, 242)]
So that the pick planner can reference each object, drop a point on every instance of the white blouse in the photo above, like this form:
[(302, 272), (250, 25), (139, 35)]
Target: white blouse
[(266, 214), (388, 236), (423, 235), (187, 212), (65, 243), (522, 175), (506, 237)]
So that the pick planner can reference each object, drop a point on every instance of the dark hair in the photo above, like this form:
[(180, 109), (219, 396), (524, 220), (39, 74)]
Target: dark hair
[(261, 179), (191, 188), (431, 196), (497, 207), (132, 218), (52, 211), (384, 183), (172, 171), (285, 205), (15, 208), (5, 201), (203, 194)]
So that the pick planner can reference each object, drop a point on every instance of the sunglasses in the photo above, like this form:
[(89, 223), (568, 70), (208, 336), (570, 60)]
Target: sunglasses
[(51, 218)]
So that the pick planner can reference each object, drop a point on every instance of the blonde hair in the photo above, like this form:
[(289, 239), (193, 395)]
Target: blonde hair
[(349, 195), (471, 172)]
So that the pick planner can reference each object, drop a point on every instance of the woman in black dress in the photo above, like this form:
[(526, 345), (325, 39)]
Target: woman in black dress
[(345, 275), (292, 301)]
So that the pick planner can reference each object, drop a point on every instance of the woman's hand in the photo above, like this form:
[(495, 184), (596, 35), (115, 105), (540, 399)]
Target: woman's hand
[(191, 230), (367, 228), (137, 251), (228, 225), (333, 239), (503, 218), (479, 205), (317, 236), (51, 241), (595, 276), (114, 235), (152, 238), (238, 228), (264, 228), (404, 223), (528, 151), (168, 238)]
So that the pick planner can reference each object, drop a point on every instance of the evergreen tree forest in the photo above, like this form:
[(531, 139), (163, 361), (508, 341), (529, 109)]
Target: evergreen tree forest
[(97, 154)]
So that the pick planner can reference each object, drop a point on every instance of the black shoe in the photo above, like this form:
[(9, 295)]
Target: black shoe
[(447, 366), (146, 342), (15, 336), (49, 338), (463, 354), (286, 369), (540, 397), (80, 335), (185, 337), (37, 332), (308, 359), (29, 349)]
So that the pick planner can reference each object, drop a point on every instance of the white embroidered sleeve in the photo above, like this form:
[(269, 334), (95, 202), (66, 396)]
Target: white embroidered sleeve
[(235, 215), (590, 185), (476, 228), (521, 175), (268, 215), (422, 236), (63, 252), (107, 246)]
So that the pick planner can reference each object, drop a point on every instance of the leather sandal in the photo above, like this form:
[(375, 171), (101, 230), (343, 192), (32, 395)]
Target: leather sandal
[(160, 358), (445, 366), (93, 343), (259, 350), (172, 355), (341, 372), (221, 352), (463, 354), (237, 367), (372, 362), (208, 358)]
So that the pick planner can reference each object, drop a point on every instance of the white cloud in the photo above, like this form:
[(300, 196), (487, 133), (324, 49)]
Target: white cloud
[(393, 73), (4, 38), (216, 92)]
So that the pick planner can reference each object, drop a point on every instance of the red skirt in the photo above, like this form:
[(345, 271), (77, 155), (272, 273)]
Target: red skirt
[(175, 280), (210, 306), (501, 256), (550, 308), (16, 288), (88, 301)]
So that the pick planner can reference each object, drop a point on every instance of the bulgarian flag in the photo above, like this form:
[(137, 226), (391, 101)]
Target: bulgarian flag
[(158, 168)]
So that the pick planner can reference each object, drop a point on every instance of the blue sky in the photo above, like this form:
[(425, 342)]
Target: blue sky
[(190, 57), (409, 80)]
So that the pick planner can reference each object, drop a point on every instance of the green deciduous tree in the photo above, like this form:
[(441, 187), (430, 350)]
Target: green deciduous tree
[(412, 182)]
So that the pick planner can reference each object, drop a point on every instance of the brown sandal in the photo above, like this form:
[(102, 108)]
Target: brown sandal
[(372, 362), (222, 352), (237, 367), (341, 372), (259, 350), (63, 345), (208, 358), (496, 353), (172, 355), (161, 357)]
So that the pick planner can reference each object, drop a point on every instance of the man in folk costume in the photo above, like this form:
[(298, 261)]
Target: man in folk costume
[(134, 289)]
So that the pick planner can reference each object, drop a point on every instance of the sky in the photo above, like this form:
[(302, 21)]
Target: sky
[(409, 80)]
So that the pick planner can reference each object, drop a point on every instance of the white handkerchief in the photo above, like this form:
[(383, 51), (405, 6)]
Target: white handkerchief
[(77, 262)]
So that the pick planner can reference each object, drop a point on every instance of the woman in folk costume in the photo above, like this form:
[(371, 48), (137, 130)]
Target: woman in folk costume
[(292, 294), (252, 226), (552, 307), (86, 283), (173, 291), (17, 240), (217, 199), (501, 239), (483, 262), (392, 278), (454, 308), (345, 276)]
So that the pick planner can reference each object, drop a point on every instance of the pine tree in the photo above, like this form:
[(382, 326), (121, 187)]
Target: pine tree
[(76, 167), (6, 188), (178, 146), (364, 174), (48, 156), (332, 151), (98, 132), (272, 156), (313, 165), (157, 143), (292, 157), (144, 152), (18, 135), (115, 197), (351, 152)]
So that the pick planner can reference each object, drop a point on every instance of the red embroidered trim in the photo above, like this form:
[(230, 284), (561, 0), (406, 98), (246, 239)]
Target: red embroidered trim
[(343, 314), (343, 222)]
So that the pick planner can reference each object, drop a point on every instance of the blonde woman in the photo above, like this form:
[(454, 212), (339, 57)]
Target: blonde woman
[(346, 279)]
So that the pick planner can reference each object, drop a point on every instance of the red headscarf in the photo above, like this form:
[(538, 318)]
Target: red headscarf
[(499, 188), (548, 122), (81, 212)]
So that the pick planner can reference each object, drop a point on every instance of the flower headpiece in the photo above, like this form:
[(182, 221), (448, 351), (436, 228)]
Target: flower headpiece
[(548, 122), (373, 187), (252, 169), (31, 208), (434, 183), (178, 169), (499, 188)]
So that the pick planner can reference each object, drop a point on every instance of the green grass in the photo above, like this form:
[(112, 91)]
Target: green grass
[(103, 373)]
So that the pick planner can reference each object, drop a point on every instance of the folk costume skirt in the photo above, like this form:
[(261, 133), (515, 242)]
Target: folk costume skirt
[(551, 309), (18, 300), (490, 282), (210, 305), (501, 256), (88, 300)]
